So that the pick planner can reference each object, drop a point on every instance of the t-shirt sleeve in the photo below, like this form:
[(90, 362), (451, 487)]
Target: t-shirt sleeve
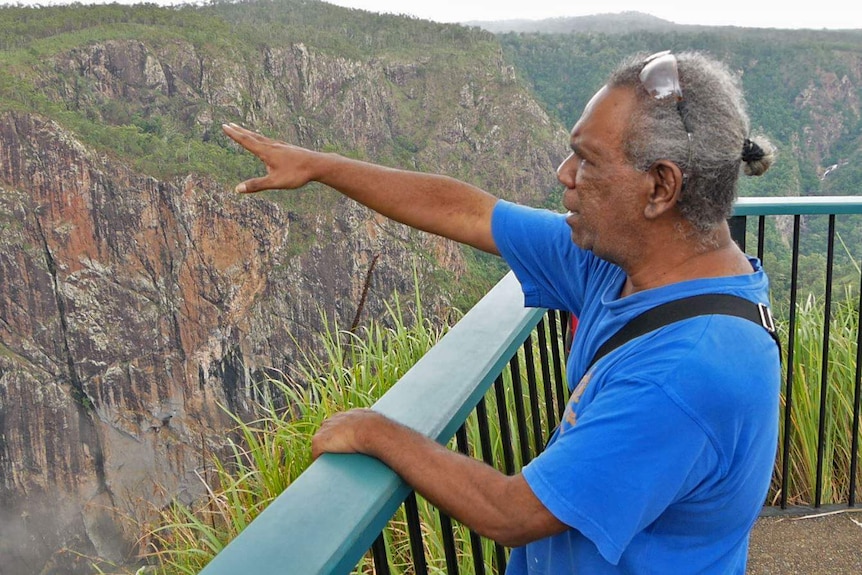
[(615, 467), (537, 246)]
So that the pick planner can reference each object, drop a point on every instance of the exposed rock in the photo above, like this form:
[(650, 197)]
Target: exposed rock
[(132, 308), (825, 94)]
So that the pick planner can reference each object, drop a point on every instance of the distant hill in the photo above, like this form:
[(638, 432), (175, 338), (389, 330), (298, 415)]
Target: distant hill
[(619, 23)]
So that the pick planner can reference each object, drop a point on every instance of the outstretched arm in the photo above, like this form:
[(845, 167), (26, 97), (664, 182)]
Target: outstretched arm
[(491, 503), (437, 204)]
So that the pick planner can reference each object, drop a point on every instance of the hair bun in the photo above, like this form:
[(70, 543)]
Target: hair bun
[(751, 152), (758, 153)]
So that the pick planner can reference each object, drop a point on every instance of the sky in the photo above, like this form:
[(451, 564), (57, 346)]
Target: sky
[(831, 14)]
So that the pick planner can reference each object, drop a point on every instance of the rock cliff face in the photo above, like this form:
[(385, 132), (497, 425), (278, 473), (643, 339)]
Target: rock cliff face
[(832, 102), (132, 308)]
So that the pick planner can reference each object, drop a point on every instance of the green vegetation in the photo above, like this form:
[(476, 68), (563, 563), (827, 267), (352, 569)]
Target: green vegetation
[(777, 68), (800, 87), (804, 431), (76, 65), (168, 133), (485, 271), (161, 134), (158, 136), (353, 370), (352, 34)]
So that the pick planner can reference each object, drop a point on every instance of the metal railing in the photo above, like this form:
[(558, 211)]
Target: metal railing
[(328, 519), (334, 515), (750, 221)]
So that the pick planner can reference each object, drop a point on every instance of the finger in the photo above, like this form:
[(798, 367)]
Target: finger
[(327, 440), (254, 185), (234, 132), (244, 137), (238, 130), (251, 134)]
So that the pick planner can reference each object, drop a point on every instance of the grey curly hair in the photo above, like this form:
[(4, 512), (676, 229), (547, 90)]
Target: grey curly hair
[(719, 124)]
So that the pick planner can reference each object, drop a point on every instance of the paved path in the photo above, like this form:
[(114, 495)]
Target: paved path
[(824, 545)]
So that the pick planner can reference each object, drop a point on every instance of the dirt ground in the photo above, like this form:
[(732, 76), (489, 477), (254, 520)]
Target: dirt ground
[(828, 544)]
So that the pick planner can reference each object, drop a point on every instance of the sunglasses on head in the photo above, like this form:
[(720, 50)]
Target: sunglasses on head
[(660, 78)]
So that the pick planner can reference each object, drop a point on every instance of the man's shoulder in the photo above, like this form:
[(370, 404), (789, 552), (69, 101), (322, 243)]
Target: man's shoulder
[(712, 360)]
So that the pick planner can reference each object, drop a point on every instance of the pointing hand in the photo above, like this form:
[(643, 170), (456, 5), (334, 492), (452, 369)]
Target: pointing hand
[(288, 167)]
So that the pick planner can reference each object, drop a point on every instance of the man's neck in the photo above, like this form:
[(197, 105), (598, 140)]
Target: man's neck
[(678, 261)]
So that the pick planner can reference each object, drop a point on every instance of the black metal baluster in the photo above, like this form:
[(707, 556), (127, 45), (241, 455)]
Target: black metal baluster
[(737, 225), (824, 364), (556, 340), (449, 546), (505, 429), (857, 399), (475, 540), (499, 558), (484, 432), (520, 412), (414, 530), (378, 555), (461, 440), (791, 339), (538, 440), (761, 237), (544, 359), (488, 457)]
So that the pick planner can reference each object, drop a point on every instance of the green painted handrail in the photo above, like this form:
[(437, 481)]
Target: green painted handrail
[(329, 517), (839, 205)]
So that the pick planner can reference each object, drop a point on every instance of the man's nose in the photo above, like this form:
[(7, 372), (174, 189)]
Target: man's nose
[(565, 173)]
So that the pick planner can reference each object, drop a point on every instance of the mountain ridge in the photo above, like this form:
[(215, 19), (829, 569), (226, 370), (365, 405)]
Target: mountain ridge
[(610, 23)]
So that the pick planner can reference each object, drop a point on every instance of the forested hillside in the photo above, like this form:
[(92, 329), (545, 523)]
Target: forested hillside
[(804, 91), (803, 87), (168, 133)]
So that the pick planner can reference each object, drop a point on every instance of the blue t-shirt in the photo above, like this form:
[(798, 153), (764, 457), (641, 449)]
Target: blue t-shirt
[(665, 452)]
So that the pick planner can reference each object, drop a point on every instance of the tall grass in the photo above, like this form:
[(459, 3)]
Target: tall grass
[(352, 370), (806, 405), (355, 369)]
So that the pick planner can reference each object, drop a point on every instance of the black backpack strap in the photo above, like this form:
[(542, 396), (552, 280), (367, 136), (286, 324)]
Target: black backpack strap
[(684, 308)]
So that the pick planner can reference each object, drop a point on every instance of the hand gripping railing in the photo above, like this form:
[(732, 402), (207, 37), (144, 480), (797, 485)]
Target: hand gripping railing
[(330, 516)]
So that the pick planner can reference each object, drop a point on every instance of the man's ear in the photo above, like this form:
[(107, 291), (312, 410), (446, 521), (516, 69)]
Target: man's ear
[(666, 188)]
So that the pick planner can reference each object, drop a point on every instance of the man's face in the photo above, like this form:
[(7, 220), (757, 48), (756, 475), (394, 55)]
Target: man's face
[(602, 187)]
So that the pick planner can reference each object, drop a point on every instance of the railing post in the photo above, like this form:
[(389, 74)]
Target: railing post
[(737, 230)]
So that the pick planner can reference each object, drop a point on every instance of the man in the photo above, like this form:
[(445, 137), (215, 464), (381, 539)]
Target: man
[(664, 457)]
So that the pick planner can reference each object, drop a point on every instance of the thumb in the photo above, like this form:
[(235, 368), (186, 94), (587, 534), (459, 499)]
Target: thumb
[(253, 185)]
